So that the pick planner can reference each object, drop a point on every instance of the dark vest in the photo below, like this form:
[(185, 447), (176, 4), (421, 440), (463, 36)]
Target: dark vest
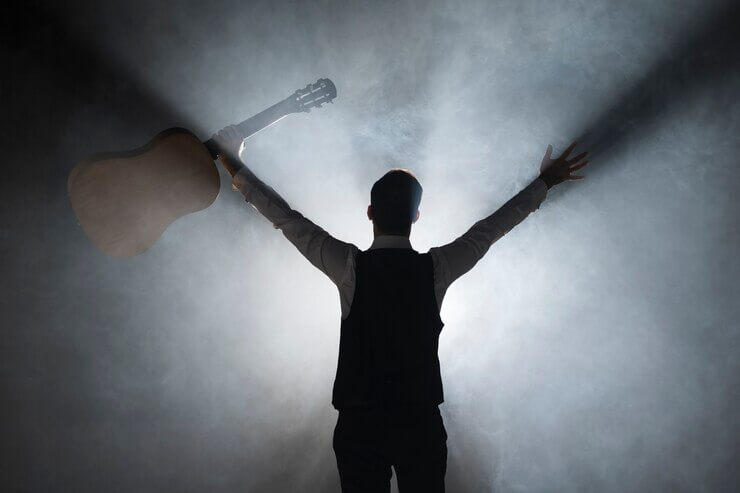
[(388, 342)]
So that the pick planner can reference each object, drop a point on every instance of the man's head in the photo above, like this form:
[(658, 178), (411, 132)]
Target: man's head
[(394, 202)]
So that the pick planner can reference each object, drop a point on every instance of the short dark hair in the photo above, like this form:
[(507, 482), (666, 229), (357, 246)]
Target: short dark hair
[(395, 198)]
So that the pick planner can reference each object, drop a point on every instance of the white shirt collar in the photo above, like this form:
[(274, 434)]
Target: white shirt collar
[(390, 241)]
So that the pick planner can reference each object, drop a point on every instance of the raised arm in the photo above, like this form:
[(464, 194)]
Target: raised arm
[(325, 252), (455, 259)]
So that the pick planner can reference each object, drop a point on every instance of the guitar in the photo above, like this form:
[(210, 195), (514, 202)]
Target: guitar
[(125, 200)]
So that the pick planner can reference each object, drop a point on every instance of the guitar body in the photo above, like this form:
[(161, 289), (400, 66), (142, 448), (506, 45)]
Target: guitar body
[(125, 201)]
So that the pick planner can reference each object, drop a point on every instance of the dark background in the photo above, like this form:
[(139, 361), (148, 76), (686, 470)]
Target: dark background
[(595, 348)]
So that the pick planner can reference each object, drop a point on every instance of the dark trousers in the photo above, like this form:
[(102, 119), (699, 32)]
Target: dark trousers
[(412, 440)]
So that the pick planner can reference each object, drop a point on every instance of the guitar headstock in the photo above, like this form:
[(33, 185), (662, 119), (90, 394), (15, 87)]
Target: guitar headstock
[(314, 95)]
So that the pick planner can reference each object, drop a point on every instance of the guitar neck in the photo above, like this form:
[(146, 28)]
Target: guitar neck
[(259, 121)]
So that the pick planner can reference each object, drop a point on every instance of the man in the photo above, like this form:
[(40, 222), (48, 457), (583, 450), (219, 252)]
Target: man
[(388, 386)]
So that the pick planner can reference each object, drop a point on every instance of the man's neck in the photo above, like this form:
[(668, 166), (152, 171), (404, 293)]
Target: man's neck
[(391, 241)]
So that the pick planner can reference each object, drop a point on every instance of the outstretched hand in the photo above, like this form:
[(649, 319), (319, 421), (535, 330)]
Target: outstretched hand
[(555, 171), (229, 141)]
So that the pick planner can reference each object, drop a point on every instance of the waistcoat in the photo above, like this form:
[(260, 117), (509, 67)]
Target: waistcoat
[(388, 342)]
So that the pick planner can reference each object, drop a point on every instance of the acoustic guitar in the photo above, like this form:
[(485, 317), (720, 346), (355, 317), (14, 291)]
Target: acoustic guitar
[(125, 200)]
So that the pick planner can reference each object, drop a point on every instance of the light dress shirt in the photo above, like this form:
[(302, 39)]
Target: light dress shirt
[(336, 258)]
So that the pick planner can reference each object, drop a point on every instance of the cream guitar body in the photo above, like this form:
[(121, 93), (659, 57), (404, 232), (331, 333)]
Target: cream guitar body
[(125, 201)]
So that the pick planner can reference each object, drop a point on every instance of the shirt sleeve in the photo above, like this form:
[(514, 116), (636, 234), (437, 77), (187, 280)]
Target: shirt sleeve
[(330, 255), (455, 259)]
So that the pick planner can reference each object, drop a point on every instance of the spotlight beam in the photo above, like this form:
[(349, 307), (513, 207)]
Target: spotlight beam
[(80, 70), (692, 64)]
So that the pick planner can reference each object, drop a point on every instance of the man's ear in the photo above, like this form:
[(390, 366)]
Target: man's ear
[(370, 212), (416, 218)]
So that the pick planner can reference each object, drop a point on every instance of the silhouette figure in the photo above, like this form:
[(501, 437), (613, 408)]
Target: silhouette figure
[(388, 386)]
